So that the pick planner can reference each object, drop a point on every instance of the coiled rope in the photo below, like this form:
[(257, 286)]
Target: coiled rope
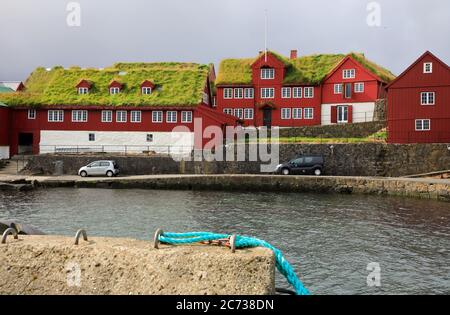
[(283, 266)]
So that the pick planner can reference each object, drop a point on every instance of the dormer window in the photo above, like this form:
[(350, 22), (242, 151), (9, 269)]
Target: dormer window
[(114, 90), (267, 73), (115, 87), (83, 87), (428, 67), (147, 87), (83, 90)]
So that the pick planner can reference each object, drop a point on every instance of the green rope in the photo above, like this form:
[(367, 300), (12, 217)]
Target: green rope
[(281, 263)]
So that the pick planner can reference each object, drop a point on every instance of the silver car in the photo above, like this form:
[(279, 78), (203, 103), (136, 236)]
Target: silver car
[(100, 168)]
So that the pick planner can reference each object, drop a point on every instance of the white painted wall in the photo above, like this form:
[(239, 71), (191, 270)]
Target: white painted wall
[(362, 112), (4, 152), (109, 141)]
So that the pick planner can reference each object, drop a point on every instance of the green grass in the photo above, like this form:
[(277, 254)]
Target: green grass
[(304, 70), (177, 84)]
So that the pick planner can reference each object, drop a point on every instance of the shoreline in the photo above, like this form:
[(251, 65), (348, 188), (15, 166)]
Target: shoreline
[(424, 188)]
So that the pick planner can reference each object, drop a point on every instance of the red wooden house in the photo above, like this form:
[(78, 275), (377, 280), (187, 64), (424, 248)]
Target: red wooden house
[(419, 103)]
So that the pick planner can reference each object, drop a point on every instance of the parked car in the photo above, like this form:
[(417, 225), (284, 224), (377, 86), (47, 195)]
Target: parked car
[(305, 164), (100, 168)]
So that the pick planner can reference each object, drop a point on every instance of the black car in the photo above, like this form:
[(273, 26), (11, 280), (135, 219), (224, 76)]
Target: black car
[(305, 164)]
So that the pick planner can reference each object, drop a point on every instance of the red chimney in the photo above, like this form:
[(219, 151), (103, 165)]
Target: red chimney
[(294, 54)]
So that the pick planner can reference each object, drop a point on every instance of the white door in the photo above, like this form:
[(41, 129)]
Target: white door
[(342, 113)]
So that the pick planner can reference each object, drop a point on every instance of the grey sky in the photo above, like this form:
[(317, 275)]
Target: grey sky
[(34, 32)]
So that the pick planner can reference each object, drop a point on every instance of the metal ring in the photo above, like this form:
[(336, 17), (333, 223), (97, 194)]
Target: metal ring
[(156, 241), (233, 243), (79, 233), (8, 232)]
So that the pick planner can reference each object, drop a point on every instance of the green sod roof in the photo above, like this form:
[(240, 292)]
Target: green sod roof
[(304, 70), (177, 84)]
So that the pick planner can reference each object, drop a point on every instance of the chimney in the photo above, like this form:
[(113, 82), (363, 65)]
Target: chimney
[(294, 54)]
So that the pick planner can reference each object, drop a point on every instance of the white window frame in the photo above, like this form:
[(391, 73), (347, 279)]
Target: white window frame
[(32, 113), (307, 111), (338, 88), (107, 116), (249, 93), (136, 116), (119, 114), (114, 90), (83, 90), (359, 87), (55, 115), (267, 73), (422, 125), (297, 92), (228, 111), (286, 113), (239, 113), (348, 73), (427, 67), (249, 113), (228, 93), (308, 92), (146, 90), (297, 113), (286, 92), (79, 115), (157, 116), (267, 93), (171, 116), (342, 112), (186, 116), (238, 93), (427, 102)]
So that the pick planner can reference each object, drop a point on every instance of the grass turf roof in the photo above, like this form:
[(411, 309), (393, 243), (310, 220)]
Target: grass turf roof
[(177, 84), (304, 70)]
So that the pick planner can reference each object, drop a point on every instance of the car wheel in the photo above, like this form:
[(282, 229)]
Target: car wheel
[(83, 174), (109, 174), (285, 171), (317, 172)]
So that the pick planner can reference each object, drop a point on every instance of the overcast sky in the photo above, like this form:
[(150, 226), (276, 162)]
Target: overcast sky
[(35, 32)]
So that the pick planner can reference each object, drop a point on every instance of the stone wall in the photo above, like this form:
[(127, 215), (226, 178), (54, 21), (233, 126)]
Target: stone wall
[(380, 113), (358, 130), (364, 159)]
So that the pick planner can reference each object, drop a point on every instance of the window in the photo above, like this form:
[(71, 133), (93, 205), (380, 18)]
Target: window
[(31, 114), (106, 115), (79, 116), (92, 137), (249, 93), (238, 93), (171, 116), (248, 113), (114, 90), (267, 73), (286, 92), (205, 98), (186, 116), (267, 92), (228, 93), (428, 67), (238, 112), (359, 87), (308, 113), (146, 90), (338, 88), (423, 124), (285, 113), (121, 116), (55, 116), (149, 137), (83, 90), (157, 116), (348, 90), (349, 74), (427, 98), (309, 92), (228, 111), (342, 114), (136, 116), (297, 92), (297, 113)]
